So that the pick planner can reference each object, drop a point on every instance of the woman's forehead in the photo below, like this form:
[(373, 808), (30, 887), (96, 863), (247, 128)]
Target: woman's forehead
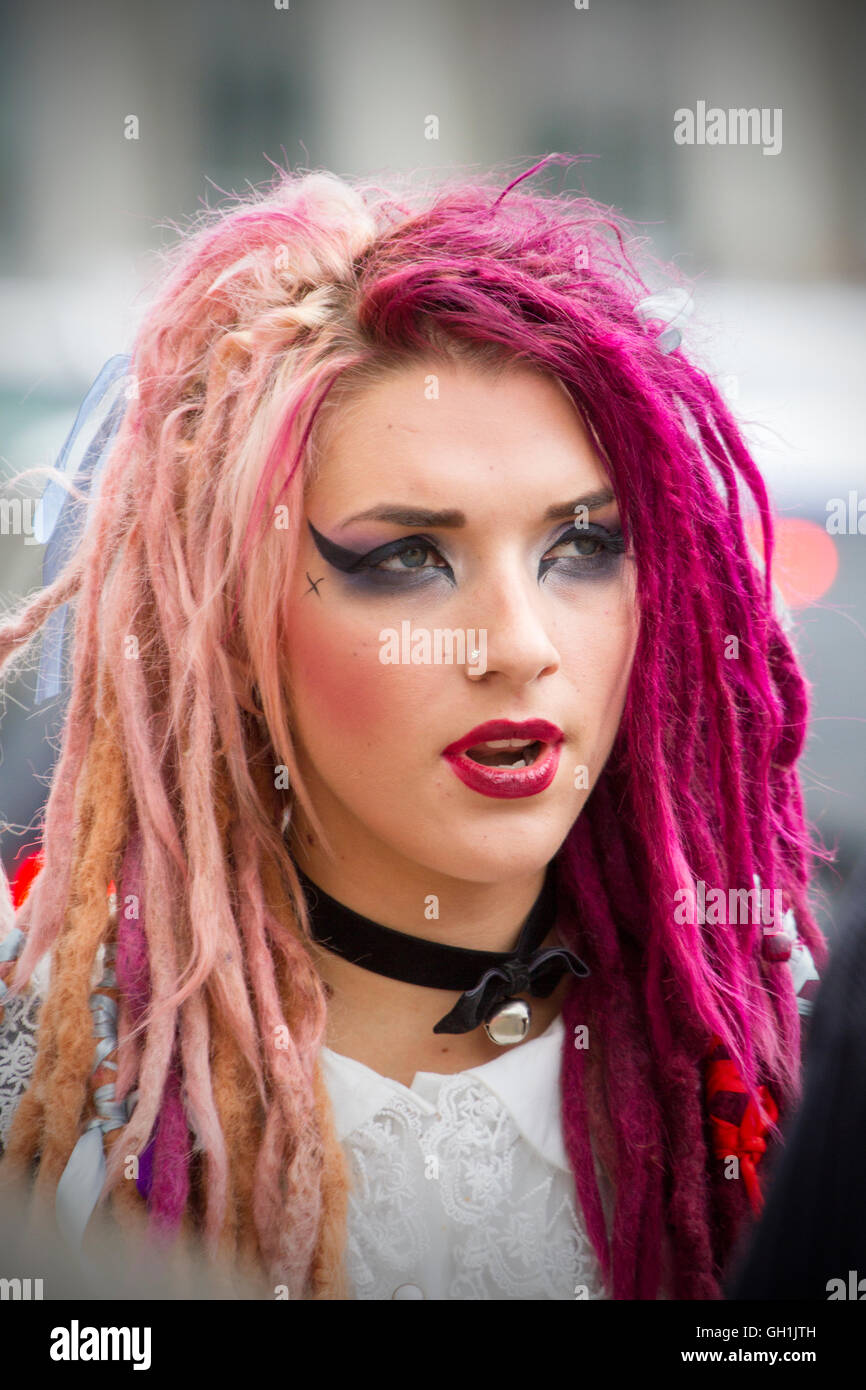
[(429, 427)]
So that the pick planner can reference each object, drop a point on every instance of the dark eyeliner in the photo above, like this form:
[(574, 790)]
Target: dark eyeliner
[(353, 561), (336, 555), (362, 566)]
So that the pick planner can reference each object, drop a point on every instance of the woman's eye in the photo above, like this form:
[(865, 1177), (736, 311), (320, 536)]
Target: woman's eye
[(410, 558), (587, 552), (584, 545)]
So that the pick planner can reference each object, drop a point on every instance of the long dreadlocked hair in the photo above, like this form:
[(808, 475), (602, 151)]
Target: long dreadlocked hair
[(272, 314)]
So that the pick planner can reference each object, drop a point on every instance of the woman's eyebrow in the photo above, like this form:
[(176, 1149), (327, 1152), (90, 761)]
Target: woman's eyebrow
[(414, 516), (590, 500)]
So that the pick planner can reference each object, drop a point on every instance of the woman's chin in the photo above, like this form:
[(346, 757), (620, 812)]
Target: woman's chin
[(510, 856)]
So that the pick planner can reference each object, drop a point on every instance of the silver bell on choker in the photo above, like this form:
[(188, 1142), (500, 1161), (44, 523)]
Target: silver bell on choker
[(509, 1022)]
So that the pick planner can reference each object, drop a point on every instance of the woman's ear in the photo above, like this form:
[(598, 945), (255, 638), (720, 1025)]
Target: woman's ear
[(233, 351)]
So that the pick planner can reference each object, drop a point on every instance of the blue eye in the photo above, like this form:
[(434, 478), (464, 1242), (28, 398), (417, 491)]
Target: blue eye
[(408, 556), (596, 552), (400, 564)]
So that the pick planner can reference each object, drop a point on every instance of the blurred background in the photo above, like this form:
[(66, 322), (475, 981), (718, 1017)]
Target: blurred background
[(777, 242)]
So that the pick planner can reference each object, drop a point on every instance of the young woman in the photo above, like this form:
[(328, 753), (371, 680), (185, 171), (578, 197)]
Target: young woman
[(425, 691)]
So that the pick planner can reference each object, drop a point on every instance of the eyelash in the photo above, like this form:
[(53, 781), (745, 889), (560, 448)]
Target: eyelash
[(602, 562)]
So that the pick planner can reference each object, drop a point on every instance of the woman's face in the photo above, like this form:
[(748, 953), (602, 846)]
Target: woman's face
[(465, 486)]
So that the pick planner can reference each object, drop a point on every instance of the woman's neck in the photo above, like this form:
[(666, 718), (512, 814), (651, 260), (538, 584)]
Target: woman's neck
[(388, 1024), (421, 902)]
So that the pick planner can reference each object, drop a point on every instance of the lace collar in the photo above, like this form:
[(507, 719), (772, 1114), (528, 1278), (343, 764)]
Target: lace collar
[(525, 1080)]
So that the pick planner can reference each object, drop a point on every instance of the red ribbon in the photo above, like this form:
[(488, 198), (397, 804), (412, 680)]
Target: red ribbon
[(24, 876), (746, 1140)]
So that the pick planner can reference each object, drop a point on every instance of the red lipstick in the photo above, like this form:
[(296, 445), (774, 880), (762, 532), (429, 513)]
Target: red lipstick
[(491, 770)]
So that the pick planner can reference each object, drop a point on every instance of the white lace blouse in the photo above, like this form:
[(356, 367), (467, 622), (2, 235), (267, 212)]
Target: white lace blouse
[(461, 1187)]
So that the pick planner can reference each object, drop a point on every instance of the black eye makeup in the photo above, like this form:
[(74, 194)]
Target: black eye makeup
[(596, 554), (367, 570)]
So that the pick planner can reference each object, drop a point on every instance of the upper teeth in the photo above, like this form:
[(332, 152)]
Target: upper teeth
[(496, 743)]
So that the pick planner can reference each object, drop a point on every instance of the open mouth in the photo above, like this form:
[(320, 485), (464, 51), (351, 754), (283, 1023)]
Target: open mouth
[(506, 752), (510, 763)]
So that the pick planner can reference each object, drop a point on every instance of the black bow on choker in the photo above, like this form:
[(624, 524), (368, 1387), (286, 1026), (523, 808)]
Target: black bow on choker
[(489, 979)]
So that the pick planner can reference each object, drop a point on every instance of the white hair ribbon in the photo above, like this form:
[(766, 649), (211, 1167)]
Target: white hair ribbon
[(670, 308), (60, 518), (84, 1175)]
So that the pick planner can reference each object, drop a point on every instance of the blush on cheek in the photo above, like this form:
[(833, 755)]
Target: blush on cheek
[(339, 686)]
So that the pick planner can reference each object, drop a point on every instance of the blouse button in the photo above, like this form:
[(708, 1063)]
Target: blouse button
[(408, 1291)]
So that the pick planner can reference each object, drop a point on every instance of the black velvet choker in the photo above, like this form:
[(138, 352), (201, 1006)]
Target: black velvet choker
[(488, 979)]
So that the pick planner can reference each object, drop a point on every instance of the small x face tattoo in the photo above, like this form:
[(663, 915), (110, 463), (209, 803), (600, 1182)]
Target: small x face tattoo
[(314, 586)]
